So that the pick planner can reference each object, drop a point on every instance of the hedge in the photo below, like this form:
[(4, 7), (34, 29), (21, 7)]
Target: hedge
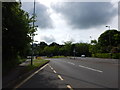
[(107, 55)]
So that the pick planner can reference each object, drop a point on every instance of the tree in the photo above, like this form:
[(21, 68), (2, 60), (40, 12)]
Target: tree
[(94, 42), (82, 49), (68, 48), (43, 44), (54, 44), (109, 39), (41, 47), (51, 50), (16, 32)]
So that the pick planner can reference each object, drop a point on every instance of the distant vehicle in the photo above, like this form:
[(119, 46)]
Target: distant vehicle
[(82, 55)]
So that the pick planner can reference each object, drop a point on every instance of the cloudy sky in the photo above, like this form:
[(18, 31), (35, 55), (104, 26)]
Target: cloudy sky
[(72, 21)]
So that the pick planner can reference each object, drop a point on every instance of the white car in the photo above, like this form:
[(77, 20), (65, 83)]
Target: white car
[(82, 55)]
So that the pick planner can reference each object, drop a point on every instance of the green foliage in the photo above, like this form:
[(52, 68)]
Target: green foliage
[(36, 64), (107, 55), (52, 50), (67, 49), (58, 56), (109, 39), (94, 48), (94, 42), (82, 49), (116, 55), (16, 32), (108, 42), (102, 55)]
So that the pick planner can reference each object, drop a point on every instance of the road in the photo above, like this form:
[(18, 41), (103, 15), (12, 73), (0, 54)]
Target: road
[(76, 73)]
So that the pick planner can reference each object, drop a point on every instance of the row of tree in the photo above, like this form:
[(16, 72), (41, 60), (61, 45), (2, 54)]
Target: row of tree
[(68, 49), (108, 42)]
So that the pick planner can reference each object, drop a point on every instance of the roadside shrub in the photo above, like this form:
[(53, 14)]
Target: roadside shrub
[(107, 55), (116, 55)]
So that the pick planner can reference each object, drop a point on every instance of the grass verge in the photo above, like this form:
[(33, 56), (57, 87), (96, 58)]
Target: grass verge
[(36, 63), (58, 57)]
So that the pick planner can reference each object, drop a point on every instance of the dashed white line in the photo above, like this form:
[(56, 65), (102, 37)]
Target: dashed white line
[(60, 77), (50, 67), (68, 86), (54, 71), (90, 68)]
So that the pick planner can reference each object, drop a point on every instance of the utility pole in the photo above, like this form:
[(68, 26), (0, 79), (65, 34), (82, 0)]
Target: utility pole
[(109, 35), (90, 39), (109, 40), (33, 33)]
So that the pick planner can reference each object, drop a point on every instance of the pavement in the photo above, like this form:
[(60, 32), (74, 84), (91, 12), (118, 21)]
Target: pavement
[(17, 75), (14, 74)]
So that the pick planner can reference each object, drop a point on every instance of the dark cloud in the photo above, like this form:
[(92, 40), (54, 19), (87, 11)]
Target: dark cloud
[(43, 17), (84, 15)]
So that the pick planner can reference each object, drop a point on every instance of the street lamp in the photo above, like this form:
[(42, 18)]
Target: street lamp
[(108, 27), (90, 39), (33, 34), (109, 35), (109, 39)]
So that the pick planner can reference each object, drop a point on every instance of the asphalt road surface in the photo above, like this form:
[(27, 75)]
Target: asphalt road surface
[(76, 73)]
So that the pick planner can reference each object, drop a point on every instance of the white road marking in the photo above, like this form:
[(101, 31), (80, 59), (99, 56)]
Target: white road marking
[(50, 67), (90, 68), (71, 63), (54, 71), (68, 86), (30, 77), (60, 77)]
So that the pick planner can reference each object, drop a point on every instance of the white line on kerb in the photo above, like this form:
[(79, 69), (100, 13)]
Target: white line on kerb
[(90, 68)]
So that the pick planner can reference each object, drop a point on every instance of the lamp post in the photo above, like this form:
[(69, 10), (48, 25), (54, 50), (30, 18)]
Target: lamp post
[(109, 35), (90, 39), (109, 40), (33, 33)]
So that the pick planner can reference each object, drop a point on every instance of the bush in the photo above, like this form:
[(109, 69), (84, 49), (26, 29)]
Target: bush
[(107, 55), (116, 55)]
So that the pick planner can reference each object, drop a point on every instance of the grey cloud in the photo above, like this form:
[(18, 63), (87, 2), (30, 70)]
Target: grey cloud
[(84, 15), (43, 17), (48, 39)]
